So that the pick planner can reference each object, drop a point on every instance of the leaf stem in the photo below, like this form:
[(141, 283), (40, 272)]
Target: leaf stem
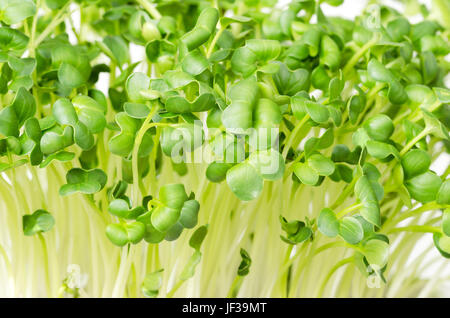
[(413, 141), (213, 42), (57, 19), (355, 58), (175, 288), (349, 209), (45, 252), (426, 207), (293, 134), (134, 157), (416, 228), (233, 286), (331, 272), (150, 8)]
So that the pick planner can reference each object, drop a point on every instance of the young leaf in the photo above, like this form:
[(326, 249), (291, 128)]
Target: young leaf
[(245, 181), (38, 222), (351, 230), (84, 181), (327, 223), (152, 283), (246, 262)]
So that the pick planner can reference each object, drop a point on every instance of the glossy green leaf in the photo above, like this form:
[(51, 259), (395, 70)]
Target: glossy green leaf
[(38, 222), (70, 76), (84, 181), (179, 105), (189, 214), (135, 85), (306, 174), (269, 163), (446, 219), (376, 252), (330, 54), (366, 194), (381, 150), (291, 82), (351, 230), (14, 11), (415, 162), (120, 208), (198, 237), (443, 195), (320, 164), (246, 262), (327, 223), (245, 181), (194, 63), (424, 187), (379, 127), (122, 234), (442, 243), (318, 112), (136, 110), (217, 171), (205, 26)]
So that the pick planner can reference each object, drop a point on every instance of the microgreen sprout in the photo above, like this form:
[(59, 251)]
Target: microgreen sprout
[(148, 142)]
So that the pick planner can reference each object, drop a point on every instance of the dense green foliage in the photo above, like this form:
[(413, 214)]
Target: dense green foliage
[(275, 105)]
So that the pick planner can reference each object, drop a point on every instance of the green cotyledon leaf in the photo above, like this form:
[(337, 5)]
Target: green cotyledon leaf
[(84, 114), (84, 181), (12, 41), (206, 24), (14, 116), (122, 234), (244, 59), (120, 208), (198, 237), (38, 222), (239, 114), (246, 262), (424, 187), (351, 230), (245, 181), (180, 105), (366, 194), (14, 11), (328, 223), (122, 144), (269, 163), (380, 73)]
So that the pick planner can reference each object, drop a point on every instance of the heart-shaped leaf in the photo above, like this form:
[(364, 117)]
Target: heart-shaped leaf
[(122, 234), (84, 181), (180, 105), (376, 252), (120, 208), (38, 222)]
